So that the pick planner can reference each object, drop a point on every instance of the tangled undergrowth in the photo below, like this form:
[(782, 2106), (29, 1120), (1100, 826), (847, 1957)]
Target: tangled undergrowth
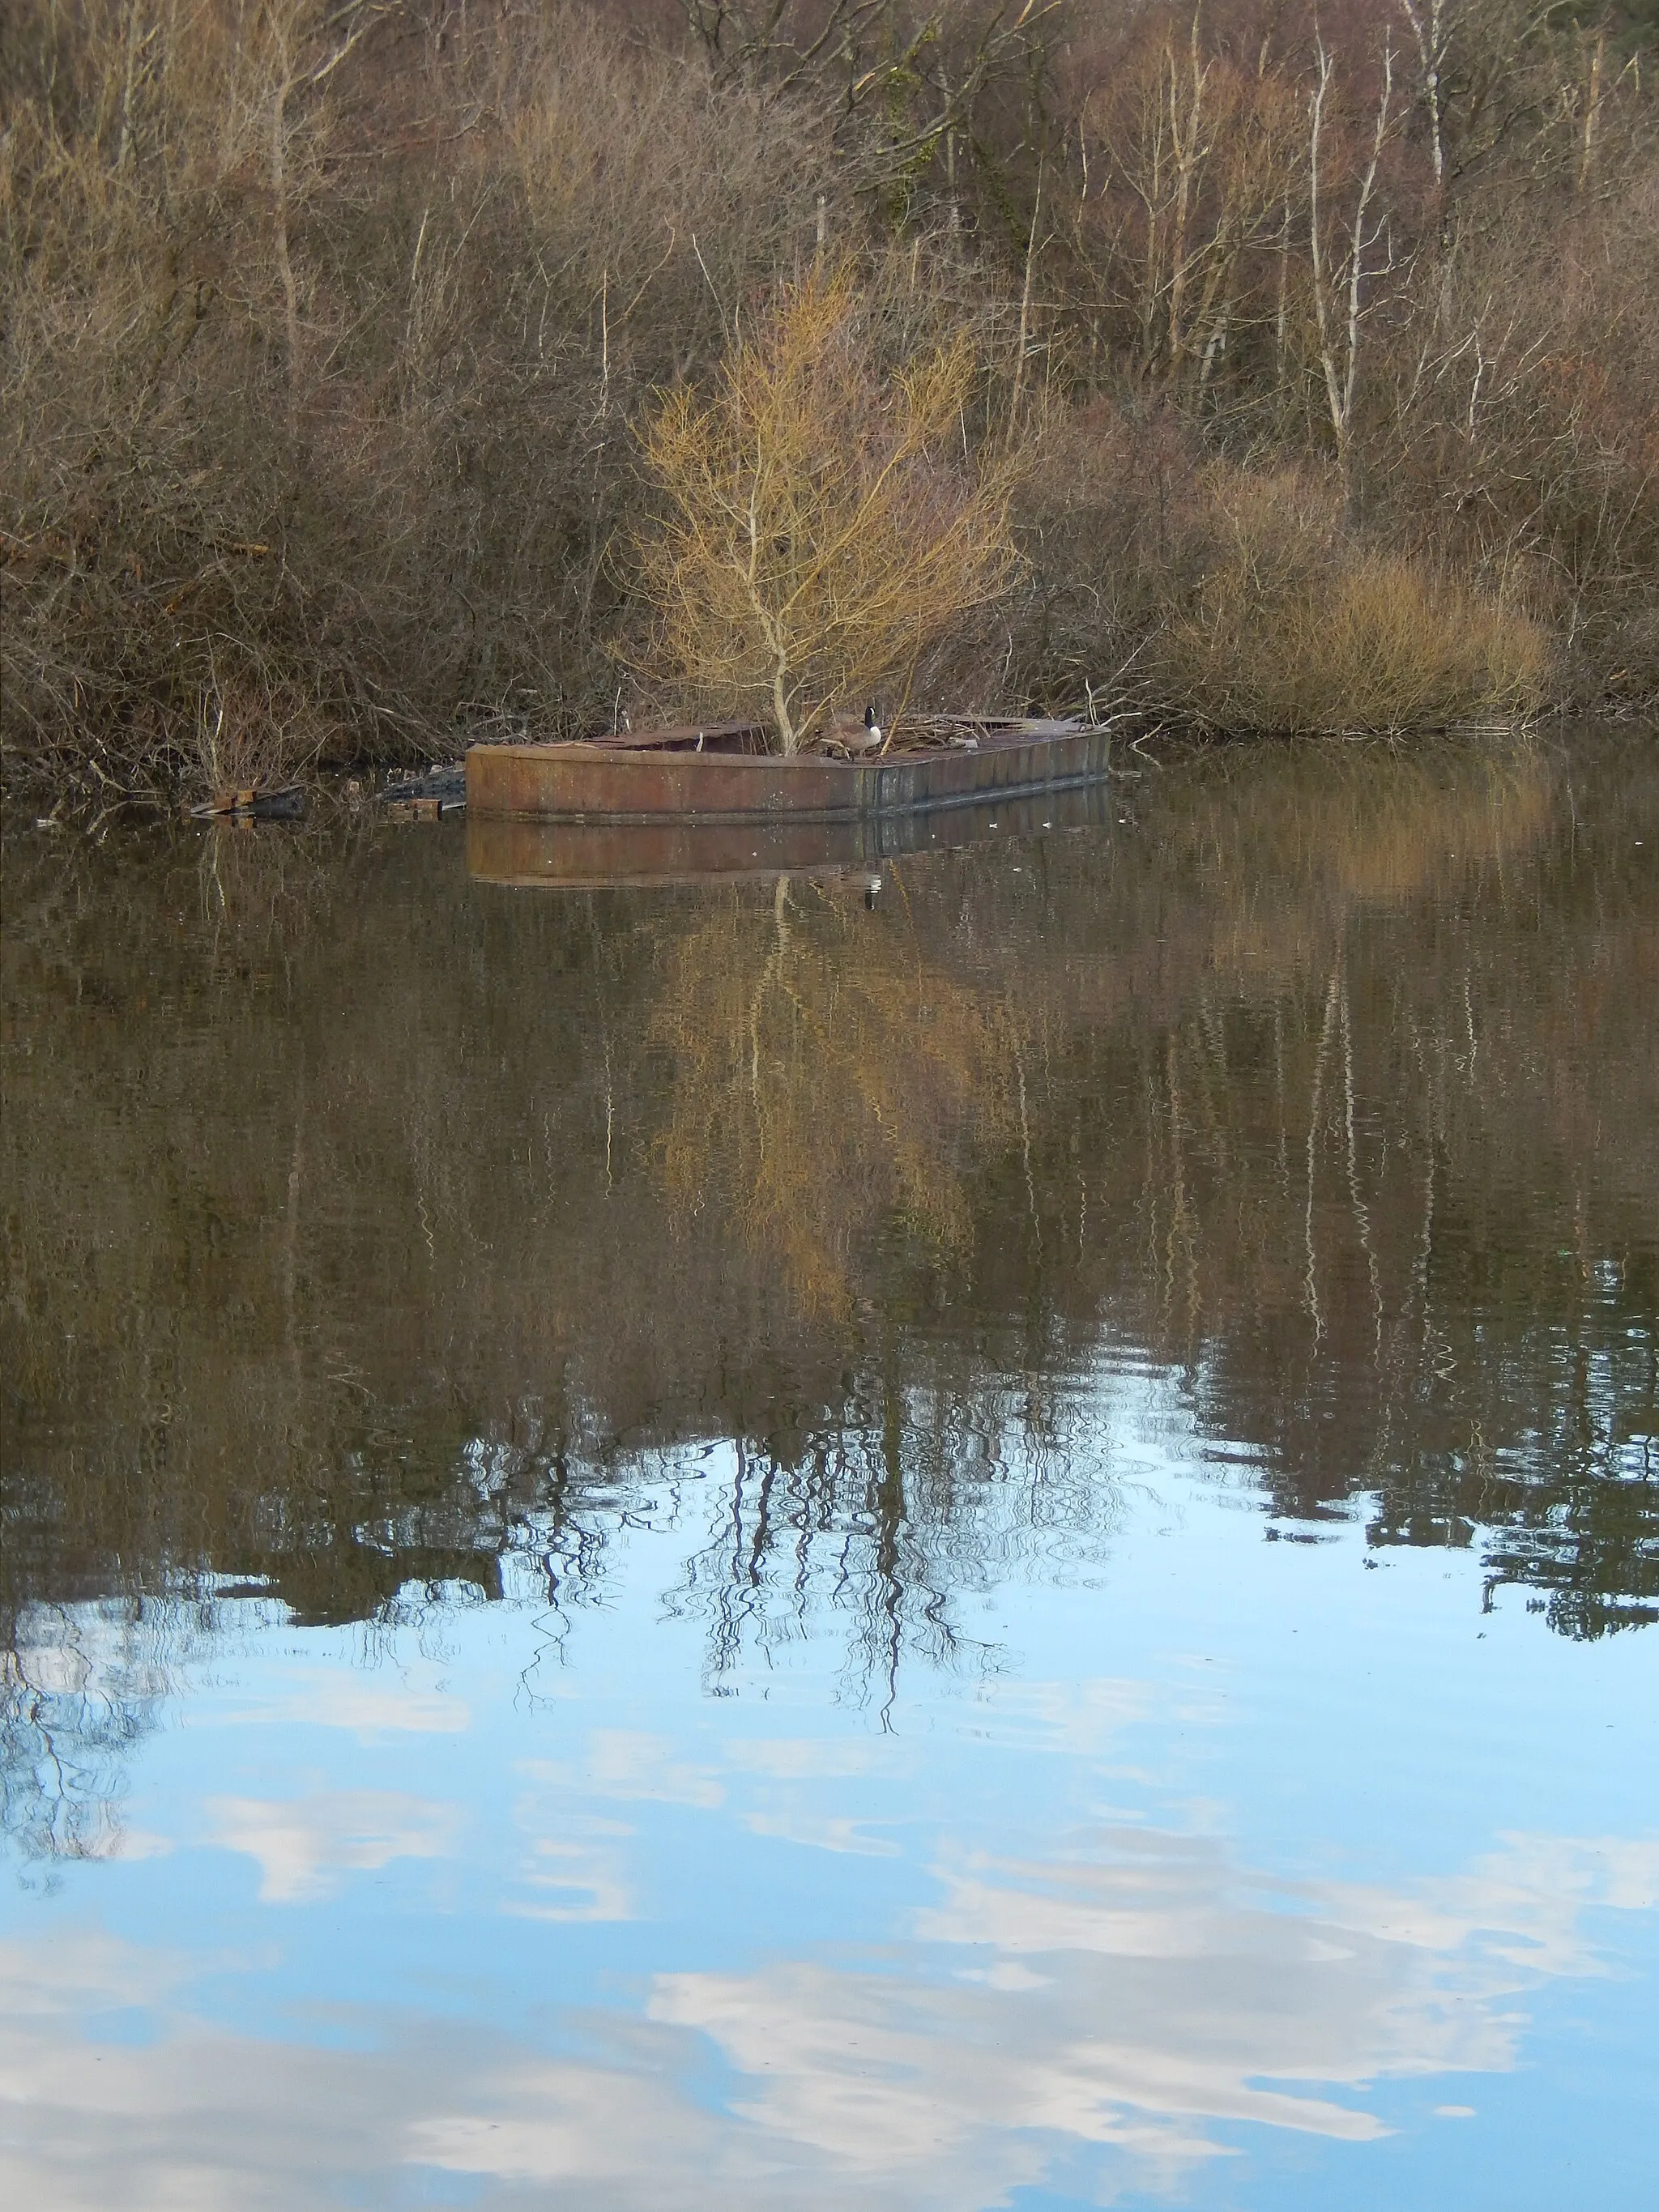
[(1308, 360)]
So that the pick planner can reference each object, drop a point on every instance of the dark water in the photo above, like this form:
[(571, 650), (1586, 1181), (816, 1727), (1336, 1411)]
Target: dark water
[(726, 1547)]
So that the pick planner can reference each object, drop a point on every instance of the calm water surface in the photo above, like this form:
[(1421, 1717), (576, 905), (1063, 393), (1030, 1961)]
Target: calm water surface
[(734, 1547)]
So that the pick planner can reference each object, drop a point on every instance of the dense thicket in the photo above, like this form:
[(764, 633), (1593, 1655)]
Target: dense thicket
[(327, 330)]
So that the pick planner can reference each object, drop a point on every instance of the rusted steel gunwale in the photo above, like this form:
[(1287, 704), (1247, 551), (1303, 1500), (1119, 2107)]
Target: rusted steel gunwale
[(587, 782)]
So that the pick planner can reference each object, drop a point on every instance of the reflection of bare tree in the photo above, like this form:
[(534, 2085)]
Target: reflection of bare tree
[(79, 1689), (881, 1519), (836, 1536), (834, 1080), (531, 1504), (828, 1074)]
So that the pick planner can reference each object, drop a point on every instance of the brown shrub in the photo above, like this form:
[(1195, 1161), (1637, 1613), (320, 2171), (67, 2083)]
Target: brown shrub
[(314, 380), (1239, 599), (1297, 630)]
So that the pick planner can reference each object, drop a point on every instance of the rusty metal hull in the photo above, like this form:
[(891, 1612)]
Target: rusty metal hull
[(606, 783), (590, 855)]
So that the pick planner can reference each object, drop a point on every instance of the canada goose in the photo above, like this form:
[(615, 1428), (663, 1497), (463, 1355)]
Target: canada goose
[(852, 735)]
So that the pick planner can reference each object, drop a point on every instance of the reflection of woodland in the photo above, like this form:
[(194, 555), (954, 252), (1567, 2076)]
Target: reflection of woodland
[(375, 1234)]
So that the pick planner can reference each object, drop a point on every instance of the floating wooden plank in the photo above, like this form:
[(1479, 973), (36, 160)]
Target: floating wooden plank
[(252, 805), (422, 809)]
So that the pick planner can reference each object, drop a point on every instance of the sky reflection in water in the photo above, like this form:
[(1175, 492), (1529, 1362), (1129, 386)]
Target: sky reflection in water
[(481, 1780)]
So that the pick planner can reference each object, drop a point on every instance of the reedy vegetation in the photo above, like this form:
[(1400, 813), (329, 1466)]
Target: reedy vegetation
[(1325, 349)]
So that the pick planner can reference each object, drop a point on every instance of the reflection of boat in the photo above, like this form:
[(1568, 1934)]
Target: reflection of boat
[(723, 773), (587, 855)]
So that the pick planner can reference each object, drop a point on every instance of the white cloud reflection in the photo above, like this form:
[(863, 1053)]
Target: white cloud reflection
[(823, 1831), (335, 1698), (303, 1844), (576, 1875), (1133, 2001)]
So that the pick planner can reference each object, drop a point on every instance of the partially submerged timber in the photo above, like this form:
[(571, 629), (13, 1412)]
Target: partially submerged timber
[(722, 773)]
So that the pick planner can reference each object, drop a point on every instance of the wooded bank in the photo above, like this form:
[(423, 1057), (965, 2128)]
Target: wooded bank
[(1314, 356)]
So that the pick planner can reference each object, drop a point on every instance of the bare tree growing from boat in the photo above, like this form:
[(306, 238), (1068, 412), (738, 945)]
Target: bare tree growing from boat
[(823, 526)]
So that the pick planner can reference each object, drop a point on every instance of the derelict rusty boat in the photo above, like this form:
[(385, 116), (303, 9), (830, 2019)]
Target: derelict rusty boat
[(722, 773)]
